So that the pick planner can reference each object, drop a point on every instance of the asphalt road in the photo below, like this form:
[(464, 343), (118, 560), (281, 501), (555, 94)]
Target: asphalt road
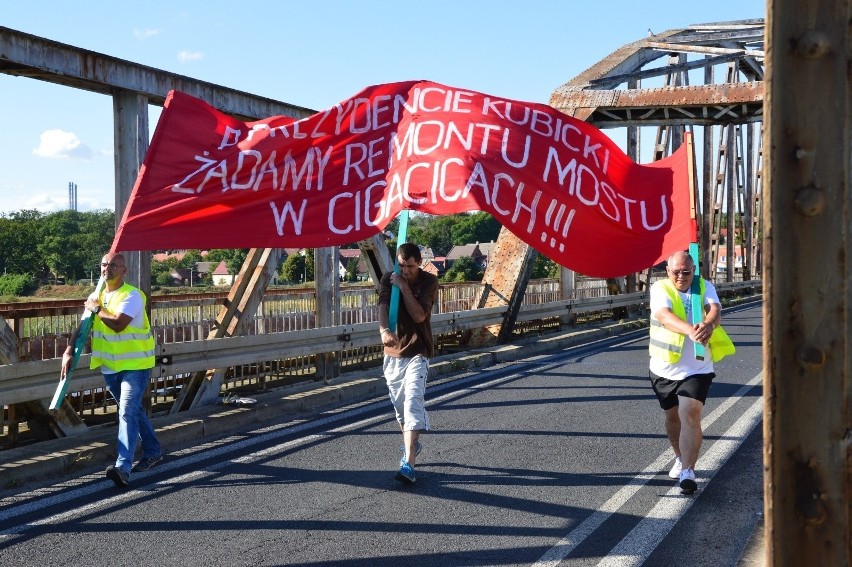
[(557, 459)]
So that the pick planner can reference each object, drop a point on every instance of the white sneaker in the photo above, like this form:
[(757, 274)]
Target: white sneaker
[(687, 482), (676, 468)]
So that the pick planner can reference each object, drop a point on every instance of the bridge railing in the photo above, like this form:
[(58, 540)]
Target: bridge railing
[(268, 356)]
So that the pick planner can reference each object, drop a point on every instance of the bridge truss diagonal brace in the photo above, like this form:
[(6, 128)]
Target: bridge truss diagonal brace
[(234, 318), (62, 422), (505, 281)]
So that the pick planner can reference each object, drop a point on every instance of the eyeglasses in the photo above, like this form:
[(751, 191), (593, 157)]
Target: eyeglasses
[(679, 273), (111, 265)]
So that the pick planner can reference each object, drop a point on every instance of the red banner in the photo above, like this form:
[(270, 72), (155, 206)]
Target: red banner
[(341, 175)]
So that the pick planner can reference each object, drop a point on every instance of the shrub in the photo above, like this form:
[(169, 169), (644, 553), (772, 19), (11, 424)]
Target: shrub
[(16, 284)]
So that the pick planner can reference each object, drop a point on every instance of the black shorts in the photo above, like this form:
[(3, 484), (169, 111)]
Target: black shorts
[(696, 387)]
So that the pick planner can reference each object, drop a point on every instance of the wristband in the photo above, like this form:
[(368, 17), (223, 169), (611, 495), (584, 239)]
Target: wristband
[(383, 330)]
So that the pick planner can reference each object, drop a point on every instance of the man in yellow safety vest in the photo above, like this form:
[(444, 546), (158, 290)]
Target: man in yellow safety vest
[(123, 348), (680, 380)]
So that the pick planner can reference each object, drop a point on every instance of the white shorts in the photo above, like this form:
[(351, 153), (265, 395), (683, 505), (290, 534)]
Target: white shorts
[(406, 380)]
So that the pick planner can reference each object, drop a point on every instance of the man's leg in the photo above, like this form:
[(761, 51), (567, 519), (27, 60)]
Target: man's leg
[(673, 429), (415, 417), (129, 403), (689, 411), (147, 435), (410, 440)]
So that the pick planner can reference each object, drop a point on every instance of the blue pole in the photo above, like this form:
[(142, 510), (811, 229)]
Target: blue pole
[(393, 308), (79, 345), (695, 297)]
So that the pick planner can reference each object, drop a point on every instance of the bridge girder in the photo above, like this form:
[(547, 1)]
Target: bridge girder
[(609, 94)]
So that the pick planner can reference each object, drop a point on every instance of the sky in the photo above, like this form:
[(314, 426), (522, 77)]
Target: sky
[(311, 54)]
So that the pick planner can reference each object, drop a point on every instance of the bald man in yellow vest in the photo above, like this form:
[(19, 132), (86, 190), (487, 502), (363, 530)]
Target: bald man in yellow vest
[(123, 348), (679, 379)]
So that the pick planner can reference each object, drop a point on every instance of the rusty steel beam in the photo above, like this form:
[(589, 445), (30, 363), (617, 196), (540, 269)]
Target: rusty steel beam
[(687, 105)]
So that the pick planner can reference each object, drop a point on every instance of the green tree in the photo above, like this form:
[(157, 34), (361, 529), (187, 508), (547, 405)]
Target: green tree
[(59, 233), (190, 259), (544, 267), (235, 260), (16, 284), (160, 273), (436, 232), (352, 270), (297, 267), (474, 227), (97, 231), (463, 270), (217, 255), (20, 234)]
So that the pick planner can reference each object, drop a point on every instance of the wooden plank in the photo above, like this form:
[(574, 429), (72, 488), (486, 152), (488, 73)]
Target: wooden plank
[(377, 257), (327, 286), (8, 343)]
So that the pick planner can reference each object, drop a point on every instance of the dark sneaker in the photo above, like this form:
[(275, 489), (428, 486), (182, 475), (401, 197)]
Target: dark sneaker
[(147, 463), (687, 482), (118, 476), (406, 473)]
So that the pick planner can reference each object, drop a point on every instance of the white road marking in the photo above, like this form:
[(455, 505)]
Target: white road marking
[(566, 545), (223, 447), (649, 532)]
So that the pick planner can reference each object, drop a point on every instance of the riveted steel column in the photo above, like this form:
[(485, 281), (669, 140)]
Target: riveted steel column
[(505, 282), (808, 283)]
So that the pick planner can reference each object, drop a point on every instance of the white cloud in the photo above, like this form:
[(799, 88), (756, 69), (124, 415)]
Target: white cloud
[(145, 34), (44, 203), (186, 56), (63, 145), (52, 201)]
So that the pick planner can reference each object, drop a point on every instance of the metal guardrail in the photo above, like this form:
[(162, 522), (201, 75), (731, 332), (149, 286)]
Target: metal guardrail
[(26, 381)]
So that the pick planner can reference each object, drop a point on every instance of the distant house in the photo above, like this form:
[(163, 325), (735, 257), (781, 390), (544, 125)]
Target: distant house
[(436, 266), (221, 276), (722, 258), (479, 252), (202, 269), (426, 254), (178, 254), (346, 256)]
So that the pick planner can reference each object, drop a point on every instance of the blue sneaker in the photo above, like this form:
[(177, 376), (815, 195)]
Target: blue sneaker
[(416, 453), (406, 473)]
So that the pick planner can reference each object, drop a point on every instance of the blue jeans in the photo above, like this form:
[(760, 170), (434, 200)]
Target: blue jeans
[(128, 388)]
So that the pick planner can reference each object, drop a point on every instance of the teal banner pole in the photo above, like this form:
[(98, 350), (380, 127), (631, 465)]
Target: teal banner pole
[(393, 309), (695, 297), (79, 345)]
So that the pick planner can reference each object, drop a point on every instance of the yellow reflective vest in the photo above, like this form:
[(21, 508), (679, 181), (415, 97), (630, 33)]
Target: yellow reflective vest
[(132, 348), (667, 345)]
